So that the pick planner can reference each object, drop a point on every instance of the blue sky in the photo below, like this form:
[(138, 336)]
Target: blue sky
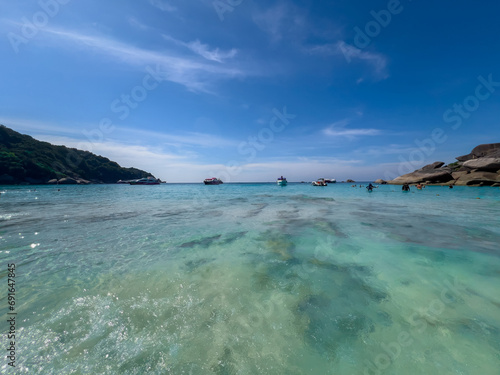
[(251, 90)]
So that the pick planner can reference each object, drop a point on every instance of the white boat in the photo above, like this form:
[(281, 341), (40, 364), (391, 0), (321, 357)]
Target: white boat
[(330, 180), (319, 182), (281, 181), (146, 181)]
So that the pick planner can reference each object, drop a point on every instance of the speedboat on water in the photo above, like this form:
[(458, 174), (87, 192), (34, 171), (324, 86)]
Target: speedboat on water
[(319, 182), (212, 181), (330, 180), (282, 181), (146, 181)]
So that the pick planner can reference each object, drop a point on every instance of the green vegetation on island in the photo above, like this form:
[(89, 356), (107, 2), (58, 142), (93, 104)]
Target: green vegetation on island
[(25, 160)]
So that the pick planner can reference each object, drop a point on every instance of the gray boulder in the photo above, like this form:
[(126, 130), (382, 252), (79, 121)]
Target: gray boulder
[(68, 181), (478, 178), (431, 173), (457, 175), (490, 150), (479, 168), (435, 165), (483, 164)]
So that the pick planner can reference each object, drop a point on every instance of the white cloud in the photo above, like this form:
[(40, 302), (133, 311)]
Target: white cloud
[(204, 50), (22, 125), (163, 5), (303, 169), (279, 20), (181, 140), (340, 123), (179, 157), (214, 55), (76, 134), (338, 129), (377, 61), (350, 132), (192, 74), (137, 24), (116, 150), (324, 49), (390, 149)]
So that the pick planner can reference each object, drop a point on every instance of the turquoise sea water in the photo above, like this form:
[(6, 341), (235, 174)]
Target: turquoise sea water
[(252, 279)]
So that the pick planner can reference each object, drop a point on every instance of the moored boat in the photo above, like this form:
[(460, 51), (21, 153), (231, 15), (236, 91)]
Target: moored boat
[(319, 182), (212, 181), (281, 181), (146, 181), (330, 180)]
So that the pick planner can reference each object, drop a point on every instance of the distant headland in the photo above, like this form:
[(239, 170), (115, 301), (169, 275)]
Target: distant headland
[(25, 160), (481, 167)]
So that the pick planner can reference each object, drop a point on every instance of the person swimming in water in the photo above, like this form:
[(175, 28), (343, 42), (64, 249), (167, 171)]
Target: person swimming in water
[(405, 187), (370, 187)]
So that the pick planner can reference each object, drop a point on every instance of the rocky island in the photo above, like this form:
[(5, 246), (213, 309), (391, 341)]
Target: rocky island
[(481, 167), (25, 160)]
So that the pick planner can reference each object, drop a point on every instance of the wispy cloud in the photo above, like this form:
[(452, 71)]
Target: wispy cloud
[(338, 129), (204, 50), (377, 61), (214, 55), (193, 74), (279, 20), (182, 140), (327, 49), (182, 165), (163, 5), (35, 126), (341, 123), (137, 24), (390, 149), (350, 132), (303, 169), (77, 132)]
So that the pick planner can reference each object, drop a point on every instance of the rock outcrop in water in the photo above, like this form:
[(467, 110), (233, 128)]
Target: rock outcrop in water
[(479, 168), (25, 160)]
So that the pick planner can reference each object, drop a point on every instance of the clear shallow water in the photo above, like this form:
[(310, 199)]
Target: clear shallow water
[(253, 279)]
